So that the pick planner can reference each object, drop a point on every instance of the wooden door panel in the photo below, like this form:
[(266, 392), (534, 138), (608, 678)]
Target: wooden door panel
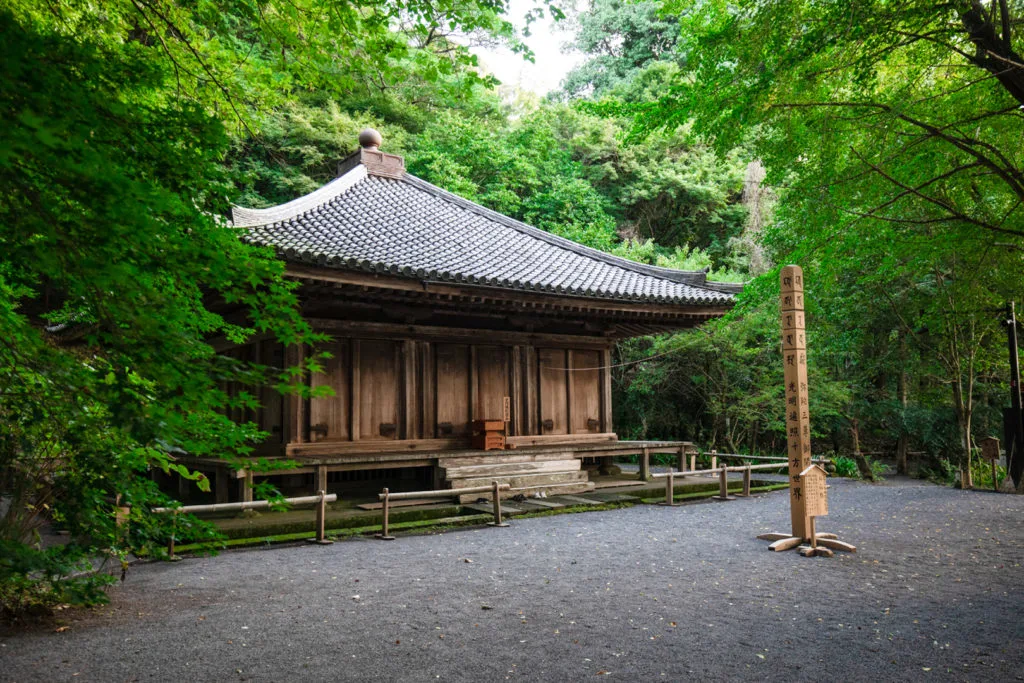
[(329, 416), (492, 382), (586, 392), (452, 390), (272, 415), (553, 395), (379, 390)]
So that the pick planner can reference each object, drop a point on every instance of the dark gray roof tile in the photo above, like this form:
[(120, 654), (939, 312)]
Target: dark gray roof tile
[(411, 228)]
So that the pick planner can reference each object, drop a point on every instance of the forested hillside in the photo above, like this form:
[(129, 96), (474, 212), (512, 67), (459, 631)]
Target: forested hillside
[(876, 145)]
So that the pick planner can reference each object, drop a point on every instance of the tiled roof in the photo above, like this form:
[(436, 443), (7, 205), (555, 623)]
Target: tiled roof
[(408, 227)]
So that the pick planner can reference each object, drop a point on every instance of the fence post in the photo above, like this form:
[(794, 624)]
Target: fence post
[(384, 536), (497, 508), (693, 461), (645, 465), (746, 482), (714, 459), (321, 520), (682, 458), (723, 485), (669, 488), (170, 544)]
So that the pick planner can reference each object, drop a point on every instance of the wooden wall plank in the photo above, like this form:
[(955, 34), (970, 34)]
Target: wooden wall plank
[(271, 420), (332, 412), (452, 390), (553, 391), (585, 391), (379, 392)]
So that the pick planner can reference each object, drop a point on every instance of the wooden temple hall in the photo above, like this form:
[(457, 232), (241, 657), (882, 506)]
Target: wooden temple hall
[(466, 346)]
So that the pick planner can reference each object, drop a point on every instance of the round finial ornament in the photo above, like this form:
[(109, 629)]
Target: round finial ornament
[(370, 139)]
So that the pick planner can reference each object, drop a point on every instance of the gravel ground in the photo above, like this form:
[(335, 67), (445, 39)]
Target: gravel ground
[(646, 593)]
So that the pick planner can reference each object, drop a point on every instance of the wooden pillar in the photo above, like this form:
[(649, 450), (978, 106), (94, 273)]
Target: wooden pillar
[(409, 410), (530, 390), (682, 459), (606, 391), (645, 465), (295, 406), (516, 426), (355, 403), (182, 488), (428, 375), (474, 387), (245, 487), (220, 484), (570, 392)]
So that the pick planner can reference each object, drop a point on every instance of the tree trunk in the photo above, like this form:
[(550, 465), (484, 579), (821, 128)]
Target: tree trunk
[(862, 463), (963, 421), (903, 441), (993, 51)]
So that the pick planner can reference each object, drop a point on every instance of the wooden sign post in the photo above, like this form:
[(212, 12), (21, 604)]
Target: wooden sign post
[(807, 488)]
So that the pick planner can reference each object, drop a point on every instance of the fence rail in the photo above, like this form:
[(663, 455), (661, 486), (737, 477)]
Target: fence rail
[(320, 500), (386, 497)]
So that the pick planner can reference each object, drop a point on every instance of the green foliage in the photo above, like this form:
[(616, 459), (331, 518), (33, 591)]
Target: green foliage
[(720, 385), (621, 39), (845, 467)]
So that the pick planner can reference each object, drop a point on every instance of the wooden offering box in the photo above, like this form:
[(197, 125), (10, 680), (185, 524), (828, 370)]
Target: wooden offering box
[(488, 435)]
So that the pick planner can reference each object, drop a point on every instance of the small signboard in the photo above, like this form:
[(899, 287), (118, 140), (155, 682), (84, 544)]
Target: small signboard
[(812, 481), (506, 407), (990, 448)]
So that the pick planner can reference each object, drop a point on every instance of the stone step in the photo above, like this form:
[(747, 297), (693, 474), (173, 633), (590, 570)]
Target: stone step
[(488, 508), (548, 489), (511, 468), (578, 500), (522, 480)]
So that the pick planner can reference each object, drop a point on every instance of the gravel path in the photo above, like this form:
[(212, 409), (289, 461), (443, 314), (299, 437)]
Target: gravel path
[(647, 593)]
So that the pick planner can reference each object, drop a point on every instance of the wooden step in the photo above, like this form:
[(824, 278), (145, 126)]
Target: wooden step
[(500, 457), (511, 468)]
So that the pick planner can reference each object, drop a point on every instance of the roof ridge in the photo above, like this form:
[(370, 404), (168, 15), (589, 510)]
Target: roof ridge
[(694, 278)]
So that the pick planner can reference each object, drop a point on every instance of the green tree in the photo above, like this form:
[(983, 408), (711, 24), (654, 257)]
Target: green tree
[(114, 264)]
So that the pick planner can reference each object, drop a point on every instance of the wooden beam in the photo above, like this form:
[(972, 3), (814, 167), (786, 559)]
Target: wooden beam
[(355, 328), (326, 448), (551, 439), (494, 293)]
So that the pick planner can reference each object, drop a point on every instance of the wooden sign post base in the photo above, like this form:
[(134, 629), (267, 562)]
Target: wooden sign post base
[(821, 545)]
